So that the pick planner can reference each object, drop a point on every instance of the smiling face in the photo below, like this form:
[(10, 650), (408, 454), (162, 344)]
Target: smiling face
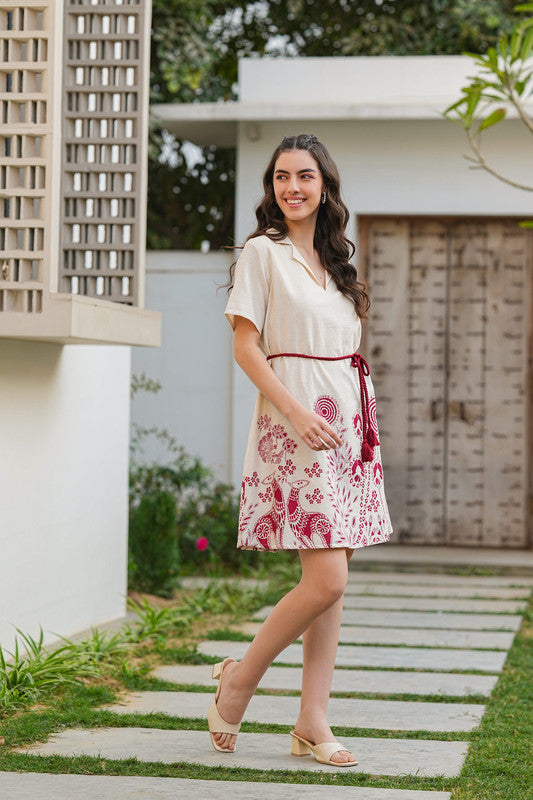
[(298, 185)]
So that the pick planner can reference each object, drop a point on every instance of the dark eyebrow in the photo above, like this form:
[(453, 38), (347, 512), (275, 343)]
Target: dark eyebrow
[(286, 171)]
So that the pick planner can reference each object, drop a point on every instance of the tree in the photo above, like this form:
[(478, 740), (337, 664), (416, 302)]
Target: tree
[(505, 81), (195, 49)]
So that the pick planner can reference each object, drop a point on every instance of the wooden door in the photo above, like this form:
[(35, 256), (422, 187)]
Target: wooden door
[(449, 343)]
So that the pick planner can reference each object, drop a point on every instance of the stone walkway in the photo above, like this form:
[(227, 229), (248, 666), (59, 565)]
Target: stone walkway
[(402, 634)]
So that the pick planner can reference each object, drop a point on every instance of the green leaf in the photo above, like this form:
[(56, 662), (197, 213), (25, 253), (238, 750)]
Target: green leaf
[(493, 118), (503, 47), (527, 223), (527, 45), (516, 42)]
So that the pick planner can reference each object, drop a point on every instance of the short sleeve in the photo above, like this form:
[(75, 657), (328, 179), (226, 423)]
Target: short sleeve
[(249, 295)]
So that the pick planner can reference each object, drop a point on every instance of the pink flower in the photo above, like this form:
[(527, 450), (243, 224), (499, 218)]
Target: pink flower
[(202, 543)]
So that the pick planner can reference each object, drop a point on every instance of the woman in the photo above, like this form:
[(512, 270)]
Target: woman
[(313, 479)]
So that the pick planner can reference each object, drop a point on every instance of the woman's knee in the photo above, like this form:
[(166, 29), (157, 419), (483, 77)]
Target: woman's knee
[(332, 590), (326, 575)]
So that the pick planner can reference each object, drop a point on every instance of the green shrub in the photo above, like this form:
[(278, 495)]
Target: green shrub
[(152, 543), (207, 529), (207, 510), (207, 513)]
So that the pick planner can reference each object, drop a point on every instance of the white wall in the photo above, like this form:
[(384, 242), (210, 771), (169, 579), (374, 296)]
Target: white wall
[(64, 428), (194, 362), (375, 80)]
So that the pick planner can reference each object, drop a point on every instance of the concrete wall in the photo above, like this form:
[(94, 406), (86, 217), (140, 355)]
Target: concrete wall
[(194, 361), (376, 80), (64, 428)]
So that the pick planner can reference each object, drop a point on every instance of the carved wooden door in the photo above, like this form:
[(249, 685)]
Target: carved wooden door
[(449, 344)]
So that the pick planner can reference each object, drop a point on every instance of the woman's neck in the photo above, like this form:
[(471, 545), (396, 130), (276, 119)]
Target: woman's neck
[(302, 233)]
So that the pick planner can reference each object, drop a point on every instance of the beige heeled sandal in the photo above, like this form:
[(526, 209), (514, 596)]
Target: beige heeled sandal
[(215, 722), (322, 752)]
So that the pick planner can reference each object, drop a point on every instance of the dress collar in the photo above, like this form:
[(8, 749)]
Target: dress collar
[(297, 256)]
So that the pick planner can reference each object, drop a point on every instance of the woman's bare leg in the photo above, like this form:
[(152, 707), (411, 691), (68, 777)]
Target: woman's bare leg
[(320, 647), (324, 574), (320, 642)]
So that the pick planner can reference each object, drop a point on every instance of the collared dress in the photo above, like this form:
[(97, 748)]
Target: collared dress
[(292, 496)]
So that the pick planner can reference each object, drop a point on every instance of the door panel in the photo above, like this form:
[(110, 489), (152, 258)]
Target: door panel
[(388, 246), (463, 499), (426, 383), (508, 440), (448, 343)]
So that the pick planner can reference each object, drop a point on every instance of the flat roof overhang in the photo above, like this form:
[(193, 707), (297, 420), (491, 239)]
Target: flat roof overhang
[(217, 123)]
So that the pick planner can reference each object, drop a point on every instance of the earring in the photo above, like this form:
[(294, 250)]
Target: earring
[(323, 197)]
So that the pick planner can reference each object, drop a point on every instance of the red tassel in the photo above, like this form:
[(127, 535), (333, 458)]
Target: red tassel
[(371, 437), (367, 453)]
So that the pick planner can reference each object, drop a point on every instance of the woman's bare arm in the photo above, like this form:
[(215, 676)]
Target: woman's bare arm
[(312, 428)]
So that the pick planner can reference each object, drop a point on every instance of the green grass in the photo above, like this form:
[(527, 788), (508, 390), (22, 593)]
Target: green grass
[(98, 766), (496, 768), (498, 765), (150, 684)]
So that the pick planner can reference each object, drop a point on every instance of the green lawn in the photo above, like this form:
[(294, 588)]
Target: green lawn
[(498, 765)]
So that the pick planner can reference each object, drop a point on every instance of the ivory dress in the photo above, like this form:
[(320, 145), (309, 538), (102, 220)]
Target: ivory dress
[(294, 497)]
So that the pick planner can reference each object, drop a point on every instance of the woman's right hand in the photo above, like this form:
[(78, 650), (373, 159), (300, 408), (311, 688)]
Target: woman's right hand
[(314, 430)]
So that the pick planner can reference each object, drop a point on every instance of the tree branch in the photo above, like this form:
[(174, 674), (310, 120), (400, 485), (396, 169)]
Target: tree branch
[(482, 162), (528, 122)]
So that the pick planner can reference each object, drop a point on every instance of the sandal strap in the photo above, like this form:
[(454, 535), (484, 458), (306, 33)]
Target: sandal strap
[(219, 725), (325, 750)]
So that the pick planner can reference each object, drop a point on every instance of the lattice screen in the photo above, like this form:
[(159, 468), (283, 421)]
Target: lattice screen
[(101, 237), (24, 154), (100, 211)]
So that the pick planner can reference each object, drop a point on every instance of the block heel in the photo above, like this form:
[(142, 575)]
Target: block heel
[(298, 748), (322, 752)]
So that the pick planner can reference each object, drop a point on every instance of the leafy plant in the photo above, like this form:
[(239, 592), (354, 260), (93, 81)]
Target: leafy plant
[(505, 81), (153, 544), (223, 597), (23, 677), (100, 646), (155, 622), (206, 518)]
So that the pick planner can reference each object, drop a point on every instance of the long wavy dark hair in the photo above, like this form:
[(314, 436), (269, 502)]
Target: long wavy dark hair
[(332, 246)]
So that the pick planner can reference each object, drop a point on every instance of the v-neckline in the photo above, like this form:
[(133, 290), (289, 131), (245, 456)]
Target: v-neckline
[(300, 258)]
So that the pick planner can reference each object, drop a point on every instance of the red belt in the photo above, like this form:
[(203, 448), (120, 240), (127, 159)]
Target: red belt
[(370, 440)]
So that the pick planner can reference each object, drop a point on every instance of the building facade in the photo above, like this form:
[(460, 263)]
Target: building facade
[(73, 138)]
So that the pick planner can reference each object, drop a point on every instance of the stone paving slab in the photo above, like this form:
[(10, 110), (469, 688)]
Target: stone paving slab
[(347, 680), (437, 579), (264, 751), (201, 582), (369, 656), (487, 640), (422, 619), (400, 603), (386, 556), (392, 715), (428, 590), (41, 786)]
